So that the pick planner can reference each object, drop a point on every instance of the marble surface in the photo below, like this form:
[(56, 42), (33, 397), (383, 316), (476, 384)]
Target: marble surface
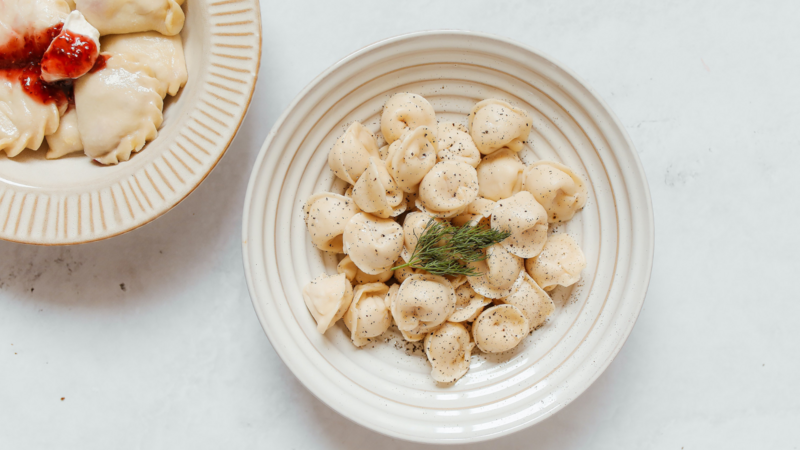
[(149, 340)]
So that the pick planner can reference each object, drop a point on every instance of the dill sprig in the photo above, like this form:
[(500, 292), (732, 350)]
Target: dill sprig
[(442, 248)]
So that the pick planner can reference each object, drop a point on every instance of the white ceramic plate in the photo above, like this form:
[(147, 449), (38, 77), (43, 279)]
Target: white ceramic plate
[(73, 200), (387, 387)]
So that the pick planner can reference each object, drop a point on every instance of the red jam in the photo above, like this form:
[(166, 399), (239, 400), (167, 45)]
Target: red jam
[(69, 56)]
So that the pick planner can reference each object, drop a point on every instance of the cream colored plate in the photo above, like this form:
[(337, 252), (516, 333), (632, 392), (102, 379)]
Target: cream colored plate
[(387, 387), (73, 200)]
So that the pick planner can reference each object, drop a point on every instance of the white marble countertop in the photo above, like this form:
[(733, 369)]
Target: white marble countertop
[(149, 340)]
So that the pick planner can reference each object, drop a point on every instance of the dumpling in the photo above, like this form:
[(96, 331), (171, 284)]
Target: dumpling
[(449, 350), (133, 16), (162, 54), (67, 139), (376, 192), (500, 175), (350, 155), (455, 144), (369, 314), (411, 158), (326, 215), (402, 274), (327, 298), (405, 112), (500, 328), (532, 300), (557, 188), (526, 220), (23, 18), (356, 276), (24, 121), (495, 124), (478, 212), (560, 263), (413, 228), (423, 303), (448, 188), (469, 304), (373, 243), (119, 109), (73, 52), (498, 271)]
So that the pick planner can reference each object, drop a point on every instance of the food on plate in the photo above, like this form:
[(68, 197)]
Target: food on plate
[(60, 81), (447, 235)]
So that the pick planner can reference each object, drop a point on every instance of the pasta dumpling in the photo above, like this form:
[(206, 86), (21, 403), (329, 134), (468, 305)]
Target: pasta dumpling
[(376, 192), (469, 304), (413, 227), (526, 220), (411, 158), (162, 54), (449, 350), (532, 300), (21, 18), (133, 16), (67, 138), (498, 272), (423, 303), (327, 298), (373, 243), (495, 124), (500, 328), (405, 112), (326, 215), (500, 175), (356, 276), (351, 153), (560, 263), (455, 144), (478, 212), (369, 315), (448, 188), (24, 121), (557, 188)]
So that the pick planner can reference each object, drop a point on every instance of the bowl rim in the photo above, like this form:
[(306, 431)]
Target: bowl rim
[(649, 233)]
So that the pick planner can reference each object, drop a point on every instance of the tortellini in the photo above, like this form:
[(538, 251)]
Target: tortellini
[(411, 158), (500, 175), (376, 192), (455, 144), (499, 271), (478, 212), (500, 328), (532, 300), (132, 16), (448, 188), (495, 124), (326, 216), (557, 188), (449, 350), (423, 303), (469, 304), (413, 227), (369, 314), (352, 152), (373, 243), (356, 276), (327, 298), (560, 263), (405, 112), (526, 220)]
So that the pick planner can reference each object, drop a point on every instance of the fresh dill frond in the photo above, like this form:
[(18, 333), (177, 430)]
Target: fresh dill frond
[(442, 249)]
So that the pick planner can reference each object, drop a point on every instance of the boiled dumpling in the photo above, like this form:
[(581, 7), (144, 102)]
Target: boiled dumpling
[(495, 124), (560, 263), (162, 54), (356, 276), (500, 175), (478, 212), (414, 227), (369, 314), (449, 350), (532, 300), (327, 298), (83, 40), (133, 16), (373, 243), (469, 304), (526, 220), (402, 274), (498, 271), (448, 188), (411, 158), (24, 121), (405, 112), (23, 18), (376, 192), (119, 109), (67, 139), (351, 153), (423, 303), (557, 188), (500, 328), (455, 144), (326, 215)]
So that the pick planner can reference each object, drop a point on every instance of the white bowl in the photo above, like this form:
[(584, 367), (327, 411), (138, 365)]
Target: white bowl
[(73, 200), (383, 387)]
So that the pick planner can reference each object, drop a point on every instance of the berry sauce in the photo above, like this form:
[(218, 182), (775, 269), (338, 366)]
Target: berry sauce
[(70, 55)]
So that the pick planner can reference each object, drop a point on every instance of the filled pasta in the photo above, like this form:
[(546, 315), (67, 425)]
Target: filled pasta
[(162, 54), (133, 16), (405, 112)]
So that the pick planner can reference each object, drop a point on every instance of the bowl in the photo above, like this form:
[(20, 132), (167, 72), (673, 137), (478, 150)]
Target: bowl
[(73, 200), (387, 386)]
